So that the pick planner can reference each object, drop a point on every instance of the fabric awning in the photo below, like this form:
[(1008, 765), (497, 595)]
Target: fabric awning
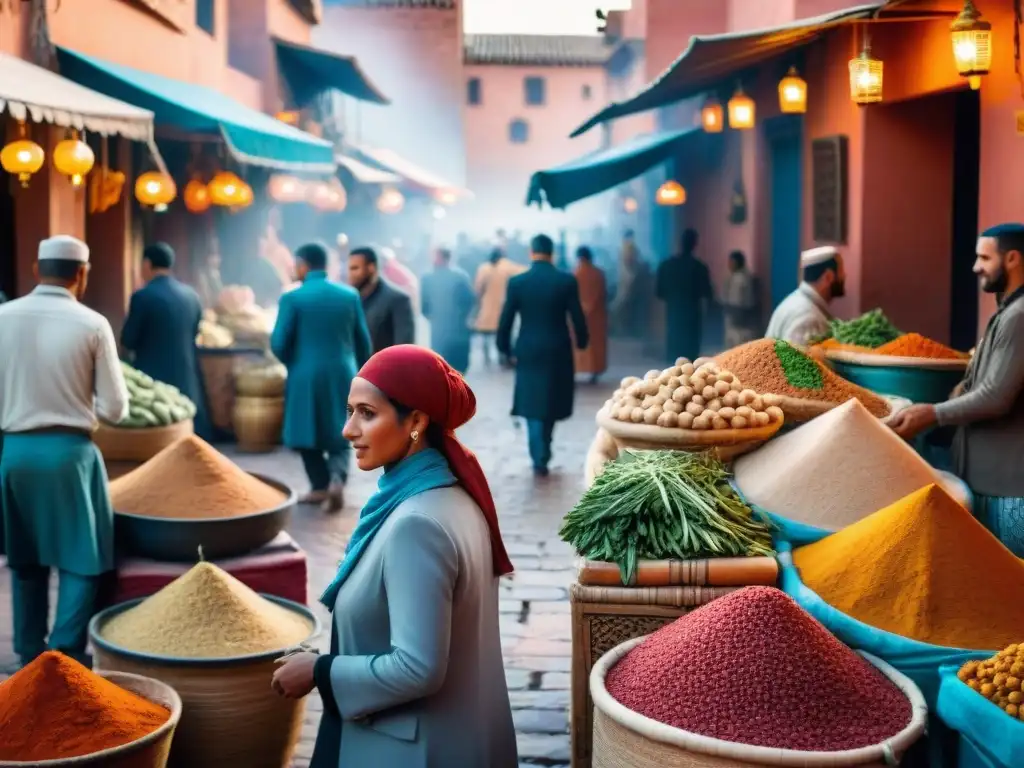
[(251, 136), (710, 59), (598, 171), (311, 71), (365, 174), (33, 93), (411, 174)]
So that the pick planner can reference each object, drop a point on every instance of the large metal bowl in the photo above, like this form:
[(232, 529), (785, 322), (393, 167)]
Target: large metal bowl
[(179, 540)]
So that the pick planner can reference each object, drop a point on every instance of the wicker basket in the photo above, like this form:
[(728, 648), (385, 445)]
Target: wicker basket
[(138, 445), (258, 422), (248, 383), (626, 739), (150, 751)]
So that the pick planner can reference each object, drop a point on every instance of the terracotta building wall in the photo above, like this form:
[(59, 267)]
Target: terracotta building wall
[(251, 56), (669, 31)]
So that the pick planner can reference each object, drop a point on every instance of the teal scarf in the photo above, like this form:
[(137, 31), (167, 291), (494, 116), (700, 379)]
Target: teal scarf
[(421, 472)]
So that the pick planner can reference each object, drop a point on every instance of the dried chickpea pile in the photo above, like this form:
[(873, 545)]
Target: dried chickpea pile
[(999, 679), (700, 395)]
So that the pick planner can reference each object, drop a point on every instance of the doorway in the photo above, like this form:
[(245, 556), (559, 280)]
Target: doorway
[(963, 295), (8, 241), (784, 136)]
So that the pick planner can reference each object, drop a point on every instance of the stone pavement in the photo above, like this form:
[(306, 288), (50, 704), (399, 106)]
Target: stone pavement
[(534, 607)]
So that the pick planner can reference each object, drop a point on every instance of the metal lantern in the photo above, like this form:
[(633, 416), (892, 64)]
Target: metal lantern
[(73, 158), (23, 158), (286, 189), (630, 205), (865, 78), (670, 193), (792, 93), (712, 117), (196, 196), (155, 189), (390, 201), (225, 189), (972, 44), (741, 111)]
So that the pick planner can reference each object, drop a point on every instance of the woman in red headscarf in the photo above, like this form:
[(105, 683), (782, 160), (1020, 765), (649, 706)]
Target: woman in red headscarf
[(415, 677)]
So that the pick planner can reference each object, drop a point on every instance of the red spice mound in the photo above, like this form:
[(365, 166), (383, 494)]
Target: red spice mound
[(754, 668), (916, 345), (55, 708)]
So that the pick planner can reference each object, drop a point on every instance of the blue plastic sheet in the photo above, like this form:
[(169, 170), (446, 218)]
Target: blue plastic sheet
[(989, 738)]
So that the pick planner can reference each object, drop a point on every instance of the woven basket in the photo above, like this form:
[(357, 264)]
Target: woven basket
[(258, 422), (626, 739), (138, 445), (150, 751), (250, 384)]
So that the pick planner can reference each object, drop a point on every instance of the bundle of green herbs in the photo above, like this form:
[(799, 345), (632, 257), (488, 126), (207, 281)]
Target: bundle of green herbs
[(872, 329), (658, 505)]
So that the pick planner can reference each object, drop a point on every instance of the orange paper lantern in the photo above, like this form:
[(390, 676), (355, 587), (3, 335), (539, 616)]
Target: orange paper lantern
[(155, 189), (225, 189), (197, 197)]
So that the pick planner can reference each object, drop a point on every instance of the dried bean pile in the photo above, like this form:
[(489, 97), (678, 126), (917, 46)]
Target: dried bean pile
[(754, 668)]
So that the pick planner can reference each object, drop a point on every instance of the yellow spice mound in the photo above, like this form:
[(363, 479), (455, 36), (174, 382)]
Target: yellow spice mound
[(922, 568), (191, 479), (206, 614)]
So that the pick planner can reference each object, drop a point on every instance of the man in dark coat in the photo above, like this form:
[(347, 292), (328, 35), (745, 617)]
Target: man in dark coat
[(684, 284), (161, 329), (448, 299), (388, 310), (545, 300)]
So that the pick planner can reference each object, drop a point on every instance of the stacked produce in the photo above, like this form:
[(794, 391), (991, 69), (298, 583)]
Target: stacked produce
[(832, 471), (241, 315), (213, 335), (771, 365), (871, 330), (658, 505), (753, 668), (922, 568), (999, 679), (153, 403), (190, 479), (206, 614), (54, 709), (698, 396)]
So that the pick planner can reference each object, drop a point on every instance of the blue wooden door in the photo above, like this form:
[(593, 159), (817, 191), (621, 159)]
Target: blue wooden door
[(785, 141)]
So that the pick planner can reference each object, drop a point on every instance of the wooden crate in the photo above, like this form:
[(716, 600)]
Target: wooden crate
[(604, 617)]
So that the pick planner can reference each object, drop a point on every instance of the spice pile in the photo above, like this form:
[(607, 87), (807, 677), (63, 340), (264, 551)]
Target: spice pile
[(54, 708), (771, 365), (871, 330), (660, 505), (999, 679), (190, 479), (832, 471), (916, 345), (152, 403), (921, 568), (754, 668), (206, 613), (688, 396)]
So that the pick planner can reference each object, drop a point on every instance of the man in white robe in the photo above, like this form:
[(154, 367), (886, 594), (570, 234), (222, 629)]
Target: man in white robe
[(804, 315)]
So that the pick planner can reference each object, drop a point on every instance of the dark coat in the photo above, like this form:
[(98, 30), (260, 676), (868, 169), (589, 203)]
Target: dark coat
[(684, 284), (321, 337), (389, 316), (448, 300), (161, 329), (545, 300)]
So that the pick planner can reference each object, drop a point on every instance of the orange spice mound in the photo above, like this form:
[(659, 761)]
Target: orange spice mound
[(190, 479), (55, 708), (837, 346), (916, 345)]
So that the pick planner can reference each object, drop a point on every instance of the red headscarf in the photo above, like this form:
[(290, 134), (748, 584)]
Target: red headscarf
[(420, 379)]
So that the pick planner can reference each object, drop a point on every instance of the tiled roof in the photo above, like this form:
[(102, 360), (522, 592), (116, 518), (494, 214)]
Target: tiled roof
[(392, 3), (540, 50)]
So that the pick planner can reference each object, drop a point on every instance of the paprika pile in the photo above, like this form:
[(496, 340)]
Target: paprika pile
[(55, 708)]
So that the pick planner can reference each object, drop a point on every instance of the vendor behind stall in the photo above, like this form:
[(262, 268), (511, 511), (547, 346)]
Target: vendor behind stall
[(987, 407), (804, 315)]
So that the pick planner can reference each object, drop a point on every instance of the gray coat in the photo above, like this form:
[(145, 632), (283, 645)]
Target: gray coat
[(416, 679)]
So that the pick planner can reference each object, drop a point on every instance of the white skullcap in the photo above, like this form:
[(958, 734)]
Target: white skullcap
[(64, 247), (815, 256)]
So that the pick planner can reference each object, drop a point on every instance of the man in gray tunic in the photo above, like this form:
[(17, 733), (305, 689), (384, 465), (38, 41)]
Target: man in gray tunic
[(804, 315), (988, 406)]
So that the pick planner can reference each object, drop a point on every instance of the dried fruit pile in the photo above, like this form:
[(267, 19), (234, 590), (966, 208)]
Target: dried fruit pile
[(999, 679), (699, 396), (754, 668)]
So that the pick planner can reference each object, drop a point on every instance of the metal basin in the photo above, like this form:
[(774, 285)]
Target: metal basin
[(918, 385)]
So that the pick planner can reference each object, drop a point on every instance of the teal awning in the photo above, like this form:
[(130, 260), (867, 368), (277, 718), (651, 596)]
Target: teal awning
[(252, 137), (310, 72), (606, 168), (710, 59)]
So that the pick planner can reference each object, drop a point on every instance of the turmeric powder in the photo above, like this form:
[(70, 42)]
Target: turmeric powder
[(916, 345), (922, 568)]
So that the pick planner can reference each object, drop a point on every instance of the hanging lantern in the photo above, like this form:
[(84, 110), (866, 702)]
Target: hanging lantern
[(741, 111), (972, 44), (244, 196), (73, 158), (670, 193), (155, 189), (448, 197), (225, 188), (196, 196), (630, 205), (286, 189), (792, 93), (288, 117), (390, 201), (712, 117), (22, 157), (334, 199), (865, 78)]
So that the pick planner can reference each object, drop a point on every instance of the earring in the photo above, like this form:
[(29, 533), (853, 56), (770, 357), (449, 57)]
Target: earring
[(415, 435)]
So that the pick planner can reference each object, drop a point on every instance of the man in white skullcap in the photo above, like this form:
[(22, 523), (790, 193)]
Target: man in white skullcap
[(62, 371), (804, 315)]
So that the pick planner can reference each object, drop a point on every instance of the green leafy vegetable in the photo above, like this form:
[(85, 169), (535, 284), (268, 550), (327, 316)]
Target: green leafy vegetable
[(872, 330), (800, 371)]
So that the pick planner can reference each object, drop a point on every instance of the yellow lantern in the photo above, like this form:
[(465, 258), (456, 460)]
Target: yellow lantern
[(712, 117), (448, 197), (328, 196), (865, 78), (630, 205), (972, 44), (792, 93), (196, 196), (155, 189), (390, 201), (244, 196), (741, 111), (22, 157), (286, 189), (74, 158), (225, 188), (670, 193)]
